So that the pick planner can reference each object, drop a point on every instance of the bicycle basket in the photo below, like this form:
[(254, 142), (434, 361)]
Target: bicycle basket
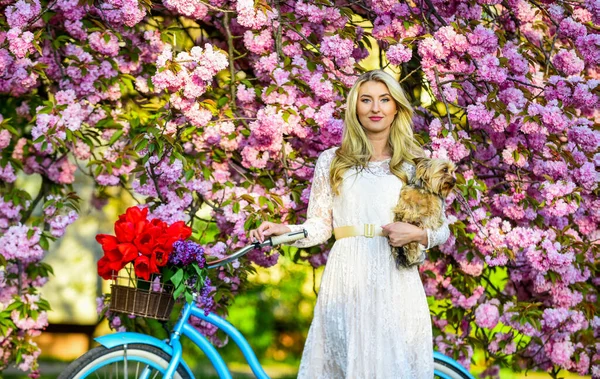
[(141, 298)]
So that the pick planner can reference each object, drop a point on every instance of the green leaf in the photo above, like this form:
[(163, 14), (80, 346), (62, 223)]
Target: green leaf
[(189, 174), (222, 101), (262, 201), (270, 89), (141, 145), (115, 136), (199, 271), (188, 130), (177, 278), (178, 291), (44, 243)]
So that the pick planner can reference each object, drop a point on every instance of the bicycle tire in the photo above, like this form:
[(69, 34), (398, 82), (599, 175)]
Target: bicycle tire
[(139, 357), (445, 370)]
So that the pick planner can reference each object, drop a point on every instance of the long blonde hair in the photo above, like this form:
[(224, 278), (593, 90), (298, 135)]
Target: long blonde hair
[(356, 149)]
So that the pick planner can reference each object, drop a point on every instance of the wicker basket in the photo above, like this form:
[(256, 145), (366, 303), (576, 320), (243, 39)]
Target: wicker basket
[(136, 297)]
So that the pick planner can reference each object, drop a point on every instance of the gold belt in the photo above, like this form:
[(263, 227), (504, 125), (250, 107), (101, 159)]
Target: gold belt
[(366, 230)]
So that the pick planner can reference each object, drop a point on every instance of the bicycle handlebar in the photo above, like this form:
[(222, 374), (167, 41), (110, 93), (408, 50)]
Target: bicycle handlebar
[(272, 241)]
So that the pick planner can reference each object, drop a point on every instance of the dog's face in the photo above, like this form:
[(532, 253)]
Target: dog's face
[(437, 175)]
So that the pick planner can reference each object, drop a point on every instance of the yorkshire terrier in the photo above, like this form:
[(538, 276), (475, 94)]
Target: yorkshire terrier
[(421, 203)]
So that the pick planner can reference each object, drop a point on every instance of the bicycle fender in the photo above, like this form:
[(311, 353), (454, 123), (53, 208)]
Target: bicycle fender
[(126, 338), (452, 362)]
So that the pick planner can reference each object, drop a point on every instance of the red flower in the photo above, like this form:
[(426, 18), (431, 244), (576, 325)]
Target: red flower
[(125, 231), (175, 232), (143, 267), (145, 242), (129, 252), (161, 256), (104, 269), (131, 224), (135, 215), (179, 230), (108, 242)]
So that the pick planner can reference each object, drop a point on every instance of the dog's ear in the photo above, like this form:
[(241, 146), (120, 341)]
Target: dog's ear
[(417, 160), (422, 167)]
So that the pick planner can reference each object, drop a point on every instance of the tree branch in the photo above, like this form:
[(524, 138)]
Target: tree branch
[(230, 49), (40, 195), (441, 91)]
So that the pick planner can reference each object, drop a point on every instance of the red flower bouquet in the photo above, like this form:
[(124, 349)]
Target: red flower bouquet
[(145, 243), (166, 264)]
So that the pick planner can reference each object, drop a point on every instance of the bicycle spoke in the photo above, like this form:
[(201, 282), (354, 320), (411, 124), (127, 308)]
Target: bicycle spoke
[(125, 362), (145, 362)]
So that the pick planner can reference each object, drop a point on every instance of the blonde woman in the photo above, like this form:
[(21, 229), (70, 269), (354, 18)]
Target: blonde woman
[(371, 319)]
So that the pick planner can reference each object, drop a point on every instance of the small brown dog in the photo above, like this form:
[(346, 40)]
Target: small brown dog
[(421, 203)]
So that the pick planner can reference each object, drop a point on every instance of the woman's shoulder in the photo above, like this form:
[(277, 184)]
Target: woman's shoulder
[(409, 169), (330, 152), (327, 155)]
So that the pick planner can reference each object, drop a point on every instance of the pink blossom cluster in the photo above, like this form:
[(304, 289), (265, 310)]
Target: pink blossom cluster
[(192, 9), (398, 54), (15, 244), (196, 71)]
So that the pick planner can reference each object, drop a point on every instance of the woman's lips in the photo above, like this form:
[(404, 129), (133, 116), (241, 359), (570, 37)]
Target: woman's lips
[(375, 118)]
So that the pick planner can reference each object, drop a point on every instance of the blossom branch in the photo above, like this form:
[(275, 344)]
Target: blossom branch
[(230, 56), (441, 91)]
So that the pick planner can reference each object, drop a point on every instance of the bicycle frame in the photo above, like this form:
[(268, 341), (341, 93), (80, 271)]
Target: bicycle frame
[(184, 328)]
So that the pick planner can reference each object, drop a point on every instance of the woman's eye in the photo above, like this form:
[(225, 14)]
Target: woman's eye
[(385, 100), (365, 100)]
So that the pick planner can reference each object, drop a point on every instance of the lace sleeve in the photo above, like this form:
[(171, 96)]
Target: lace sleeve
[(319, 219), (438, 236)]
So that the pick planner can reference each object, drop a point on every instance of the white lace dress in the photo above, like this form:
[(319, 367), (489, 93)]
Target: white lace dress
[(371, 319)]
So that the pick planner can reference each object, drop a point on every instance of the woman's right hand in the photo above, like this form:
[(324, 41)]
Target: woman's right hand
[(266, 229)]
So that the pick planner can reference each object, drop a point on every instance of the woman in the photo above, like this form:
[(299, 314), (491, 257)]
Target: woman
[(371, 319)]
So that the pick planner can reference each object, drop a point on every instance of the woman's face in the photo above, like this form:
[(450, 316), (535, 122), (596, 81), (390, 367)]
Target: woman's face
[(375, 108)]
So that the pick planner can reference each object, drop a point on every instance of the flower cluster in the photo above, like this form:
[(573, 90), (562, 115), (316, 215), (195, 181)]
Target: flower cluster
[(147, 244)]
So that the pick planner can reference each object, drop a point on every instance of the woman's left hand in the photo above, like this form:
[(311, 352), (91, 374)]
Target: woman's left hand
[(401, 233)]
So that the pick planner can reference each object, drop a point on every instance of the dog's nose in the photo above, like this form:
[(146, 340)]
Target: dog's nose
[(453, 180)]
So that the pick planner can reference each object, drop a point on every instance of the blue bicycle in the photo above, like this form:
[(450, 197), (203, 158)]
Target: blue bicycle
[(135, 355)]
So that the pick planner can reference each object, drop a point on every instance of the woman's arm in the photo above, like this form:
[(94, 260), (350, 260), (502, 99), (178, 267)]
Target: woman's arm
[(401, 233), (319, 217), (437, 236)]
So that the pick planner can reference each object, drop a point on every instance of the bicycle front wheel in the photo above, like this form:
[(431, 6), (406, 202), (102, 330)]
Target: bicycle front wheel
[(126, 361), (447, 370)]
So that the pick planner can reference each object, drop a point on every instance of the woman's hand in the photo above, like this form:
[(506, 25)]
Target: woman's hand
[(266, 229), (401, 233)]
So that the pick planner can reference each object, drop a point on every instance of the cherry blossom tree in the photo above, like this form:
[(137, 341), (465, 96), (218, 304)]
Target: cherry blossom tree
[(227, 104)]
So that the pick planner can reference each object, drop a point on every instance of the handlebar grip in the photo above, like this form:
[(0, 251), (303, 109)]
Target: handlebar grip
[(287, 238)]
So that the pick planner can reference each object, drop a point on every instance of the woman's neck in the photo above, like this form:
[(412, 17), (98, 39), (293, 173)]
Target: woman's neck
[(380, 148)]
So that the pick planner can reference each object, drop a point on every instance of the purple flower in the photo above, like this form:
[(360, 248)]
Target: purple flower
[(206, 300), (187, 252)]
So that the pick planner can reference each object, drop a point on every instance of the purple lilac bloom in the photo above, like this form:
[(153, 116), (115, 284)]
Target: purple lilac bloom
[(187, 252), (206, 300)]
